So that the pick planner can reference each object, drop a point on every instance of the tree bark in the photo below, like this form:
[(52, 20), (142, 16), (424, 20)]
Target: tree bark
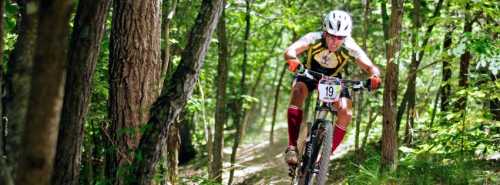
[(389, 136), (18, 79), (220, 109), (134, 74), (173, 147), (175, 94), (43, 114), (83, 56), (240, 111)]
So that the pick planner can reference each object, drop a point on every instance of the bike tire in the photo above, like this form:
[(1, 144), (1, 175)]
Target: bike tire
[(325, 153), (324, 146)]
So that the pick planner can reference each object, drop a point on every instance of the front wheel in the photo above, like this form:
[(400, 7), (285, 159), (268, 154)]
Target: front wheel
[(317, 174), (326, 150)]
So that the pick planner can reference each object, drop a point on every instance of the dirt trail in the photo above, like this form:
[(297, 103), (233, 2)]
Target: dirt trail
[(263, 164)]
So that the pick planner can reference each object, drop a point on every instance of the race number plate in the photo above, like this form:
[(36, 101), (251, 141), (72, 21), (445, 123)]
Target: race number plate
[(329, 89)]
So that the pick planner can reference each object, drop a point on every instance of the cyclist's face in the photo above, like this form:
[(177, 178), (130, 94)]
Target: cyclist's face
[(334, 42)]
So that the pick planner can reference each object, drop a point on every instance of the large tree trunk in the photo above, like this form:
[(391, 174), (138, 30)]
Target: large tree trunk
[(84, 53), (389, 136), (43, 115), (18, 79), (175, 94), (220, 109), (240, 112), (134, 76)]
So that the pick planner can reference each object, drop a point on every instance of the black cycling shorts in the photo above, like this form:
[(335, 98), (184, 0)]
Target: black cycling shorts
[(313, 85)]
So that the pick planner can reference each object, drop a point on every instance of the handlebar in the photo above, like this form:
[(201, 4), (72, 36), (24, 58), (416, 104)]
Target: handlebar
[(356, 85)]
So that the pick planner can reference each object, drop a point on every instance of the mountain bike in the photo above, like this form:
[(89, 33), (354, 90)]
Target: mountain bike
[(314, 157)]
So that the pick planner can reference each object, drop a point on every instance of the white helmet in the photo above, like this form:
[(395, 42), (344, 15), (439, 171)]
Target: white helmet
[(338, 23)]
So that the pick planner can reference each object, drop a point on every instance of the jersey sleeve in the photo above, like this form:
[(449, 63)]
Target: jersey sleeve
[(300, 45), (354, 50)]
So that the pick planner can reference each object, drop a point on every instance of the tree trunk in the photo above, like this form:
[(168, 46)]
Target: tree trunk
[(240, 111), (412, 76), (83, 56), (359, 98), (175, 94), (446, 87), (173, 147), (220, 109), (187, 152), (372, 116), (5, 173), (401, 110), (464, 67), (389, 137), (366, 22), (134, 74), (416, 57), (385, 26), (43, 114), (434, 109), (168, 13), (18, 80), (207, 129)]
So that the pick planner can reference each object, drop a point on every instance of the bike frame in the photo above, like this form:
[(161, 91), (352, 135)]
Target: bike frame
[(317, 131)]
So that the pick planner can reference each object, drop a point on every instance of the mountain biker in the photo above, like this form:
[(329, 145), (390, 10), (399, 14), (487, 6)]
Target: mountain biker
[(327, 52)]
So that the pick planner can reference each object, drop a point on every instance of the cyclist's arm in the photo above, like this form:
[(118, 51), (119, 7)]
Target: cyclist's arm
[(301, 45), (361, 58)]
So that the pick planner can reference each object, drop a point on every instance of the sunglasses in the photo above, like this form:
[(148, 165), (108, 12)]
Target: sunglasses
[(335, 37)]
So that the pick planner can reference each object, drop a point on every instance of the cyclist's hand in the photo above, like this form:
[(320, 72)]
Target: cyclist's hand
[(374, 82), (293, 64)]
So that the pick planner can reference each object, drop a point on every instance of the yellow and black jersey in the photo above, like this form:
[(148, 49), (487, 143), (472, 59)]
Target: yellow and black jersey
[(320, 59)]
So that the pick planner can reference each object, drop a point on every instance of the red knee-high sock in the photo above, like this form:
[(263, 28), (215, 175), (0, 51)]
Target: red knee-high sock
[(338, 136), (294, 120)]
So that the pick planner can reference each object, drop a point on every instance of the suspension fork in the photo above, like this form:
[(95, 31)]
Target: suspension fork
[(311, 149)]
